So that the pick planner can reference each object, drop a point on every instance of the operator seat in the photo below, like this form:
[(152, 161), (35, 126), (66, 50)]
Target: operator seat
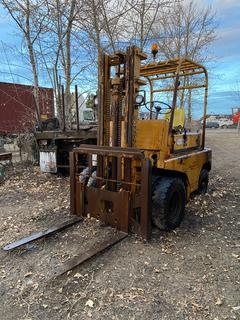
[(179, 117)]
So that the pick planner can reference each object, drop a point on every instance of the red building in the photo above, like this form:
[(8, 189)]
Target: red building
[(17, 108)]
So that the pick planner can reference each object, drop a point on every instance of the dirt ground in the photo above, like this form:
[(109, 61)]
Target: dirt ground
[(191, 273)]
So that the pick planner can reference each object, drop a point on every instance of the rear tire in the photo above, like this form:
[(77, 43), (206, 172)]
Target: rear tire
[(203, 182), (168, 202)]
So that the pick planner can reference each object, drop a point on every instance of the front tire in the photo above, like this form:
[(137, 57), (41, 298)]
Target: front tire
[(168, 202), (203, 182)]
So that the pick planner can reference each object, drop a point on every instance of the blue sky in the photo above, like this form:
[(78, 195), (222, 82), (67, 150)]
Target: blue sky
[(226, 69), (223, 71)]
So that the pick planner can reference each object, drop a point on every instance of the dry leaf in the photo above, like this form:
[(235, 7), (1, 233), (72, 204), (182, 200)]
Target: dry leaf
[(219, 302), (89, 303), (236, 308), (28, 274), (78, 275)]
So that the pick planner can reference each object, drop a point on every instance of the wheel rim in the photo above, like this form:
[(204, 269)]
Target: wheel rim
[(175, 207)]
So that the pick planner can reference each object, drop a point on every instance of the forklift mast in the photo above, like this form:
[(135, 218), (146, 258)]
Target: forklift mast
[(121, 196), (117, 108)]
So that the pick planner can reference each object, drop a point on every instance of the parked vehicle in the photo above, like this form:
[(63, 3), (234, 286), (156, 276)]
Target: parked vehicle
[(225, 123), (211, 124), (55, 141)]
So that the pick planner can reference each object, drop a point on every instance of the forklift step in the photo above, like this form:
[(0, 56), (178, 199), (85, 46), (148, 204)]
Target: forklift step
[(93, 251), (42, 234)]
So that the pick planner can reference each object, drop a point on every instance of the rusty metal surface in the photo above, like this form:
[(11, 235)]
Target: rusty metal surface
[(99, 169), (146, 198), (170, 67), (42, 234), (119, 198), (174, 101), (93, 251), (104, 98), (17, 112), (84, 133), (111, 151), (109, 206), (63, 125), (130, 93), (72, 164), (121, 195)]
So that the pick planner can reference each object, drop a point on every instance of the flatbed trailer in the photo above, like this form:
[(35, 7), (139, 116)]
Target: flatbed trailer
[(55, 141), (54, 146)]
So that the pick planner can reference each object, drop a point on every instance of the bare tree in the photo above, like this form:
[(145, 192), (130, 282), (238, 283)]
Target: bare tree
[(101, 21), (61, 50), (55, 47), (188, 31), (116, 24), (143, 19), (112, 25), (30, 18), (64, 37), (47, 29)]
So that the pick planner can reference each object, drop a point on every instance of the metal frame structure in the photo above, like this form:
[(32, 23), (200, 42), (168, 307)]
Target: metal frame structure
[(122, 194), (116, 200), (177, 68), (121, 197)]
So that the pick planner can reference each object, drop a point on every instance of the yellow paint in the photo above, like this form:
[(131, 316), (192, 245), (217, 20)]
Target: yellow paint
[(178, 119), (179, 153), (151, 134), (152, 137), (190, 164), (186, 141)]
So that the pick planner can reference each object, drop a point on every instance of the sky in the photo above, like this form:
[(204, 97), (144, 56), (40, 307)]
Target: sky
[(224, 70)]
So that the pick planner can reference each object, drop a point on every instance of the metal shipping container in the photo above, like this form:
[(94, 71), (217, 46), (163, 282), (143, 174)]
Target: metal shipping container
[(17, 111)]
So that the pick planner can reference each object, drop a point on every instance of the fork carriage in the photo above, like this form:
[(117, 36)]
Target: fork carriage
[(119, 195)]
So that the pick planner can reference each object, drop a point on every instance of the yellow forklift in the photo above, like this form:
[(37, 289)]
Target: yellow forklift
[(146, 164), (150, 156)]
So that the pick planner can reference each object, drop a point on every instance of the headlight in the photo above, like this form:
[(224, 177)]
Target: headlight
[(139, 99), (95, 101)]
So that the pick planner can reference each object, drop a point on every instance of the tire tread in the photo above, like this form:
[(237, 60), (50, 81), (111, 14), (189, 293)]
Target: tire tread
[(161, 187)]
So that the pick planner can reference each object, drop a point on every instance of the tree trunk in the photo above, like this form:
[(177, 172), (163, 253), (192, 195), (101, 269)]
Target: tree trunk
[(68, 65), (33, 66)]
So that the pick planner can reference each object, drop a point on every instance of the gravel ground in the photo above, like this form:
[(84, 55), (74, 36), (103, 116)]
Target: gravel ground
[(191, 273)]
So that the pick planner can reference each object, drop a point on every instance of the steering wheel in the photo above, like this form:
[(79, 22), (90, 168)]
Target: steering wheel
[(157, 105)]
